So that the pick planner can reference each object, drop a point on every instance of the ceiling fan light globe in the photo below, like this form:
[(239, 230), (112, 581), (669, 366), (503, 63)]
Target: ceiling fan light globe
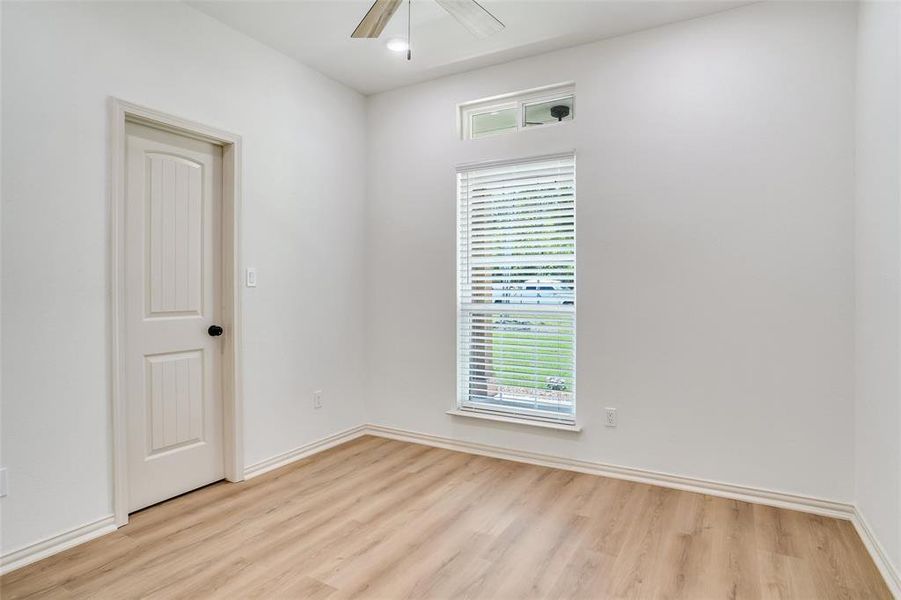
[(397, 45)]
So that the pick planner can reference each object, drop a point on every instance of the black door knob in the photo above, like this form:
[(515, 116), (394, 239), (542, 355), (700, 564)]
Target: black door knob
[(214, 330)]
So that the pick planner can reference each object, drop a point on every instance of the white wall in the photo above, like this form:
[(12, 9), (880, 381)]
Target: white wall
[(716, 241), (304, 144), (1, 263), (878, 266), (715, 237)]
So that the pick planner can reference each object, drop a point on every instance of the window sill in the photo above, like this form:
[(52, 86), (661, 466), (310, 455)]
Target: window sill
[(575, 428)]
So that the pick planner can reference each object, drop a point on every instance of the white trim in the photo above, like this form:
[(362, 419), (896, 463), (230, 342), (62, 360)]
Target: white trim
[(79, 535), (889, 572), (476, 414), (89, 531), (806, 504), (503, 162), (304, 451), (817, 506), (233, 391), (56, 543), (530, 92), (513, 100)]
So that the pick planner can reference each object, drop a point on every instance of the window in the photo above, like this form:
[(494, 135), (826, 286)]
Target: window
[(517, 289), (548, 111), (512, 112), (493, 121)]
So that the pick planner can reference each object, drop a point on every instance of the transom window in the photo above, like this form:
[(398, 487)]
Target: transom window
[(517, 288), (520, 110)]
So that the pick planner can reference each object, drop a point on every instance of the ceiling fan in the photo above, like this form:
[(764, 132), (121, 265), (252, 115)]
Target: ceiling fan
[(469, 13)]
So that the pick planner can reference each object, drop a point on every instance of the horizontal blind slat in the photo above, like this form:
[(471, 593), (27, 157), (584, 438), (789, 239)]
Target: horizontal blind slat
[(517, 287)]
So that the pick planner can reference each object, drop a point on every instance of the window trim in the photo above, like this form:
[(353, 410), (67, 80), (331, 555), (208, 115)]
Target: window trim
[(568, 422), (518, 100), (574, 427)]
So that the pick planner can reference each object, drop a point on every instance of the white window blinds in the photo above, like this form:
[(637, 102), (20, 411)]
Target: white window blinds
[(517, 288)]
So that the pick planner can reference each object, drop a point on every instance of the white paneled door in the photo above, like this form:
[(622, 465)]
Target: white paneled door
[(173, 256)]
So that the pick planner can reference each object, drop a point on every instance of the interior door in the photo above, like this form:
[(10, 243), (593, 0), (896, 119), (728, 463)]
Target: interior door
[(173, 293)]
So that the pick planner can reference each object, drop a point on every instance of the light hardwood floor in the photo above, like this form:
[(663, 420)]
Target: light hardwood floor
[(376, 518)]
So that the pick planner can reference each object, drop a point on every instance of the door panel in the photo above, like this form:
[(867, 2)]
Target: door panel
[(175, 397), (175, 235), (173, 255)]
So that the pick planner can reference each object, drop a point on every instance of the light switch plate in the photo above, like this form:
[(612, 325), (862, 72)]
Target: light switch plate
[(251, 277), (4, 485)]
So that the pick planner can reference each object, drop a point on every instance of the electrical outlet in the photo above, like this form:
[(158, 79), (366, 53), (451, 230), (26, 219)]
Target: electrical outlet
[(317, 399), (611, 417), (4, 484)]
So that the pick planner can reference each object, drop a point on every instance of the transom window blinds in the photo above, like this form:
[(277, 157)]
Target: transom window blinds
[(517, 288)]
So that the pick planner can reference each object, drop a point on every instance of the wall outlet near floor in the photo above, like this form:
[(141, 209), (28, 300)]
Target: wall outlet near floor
[(4, 484), (317, 399), (611, 417)]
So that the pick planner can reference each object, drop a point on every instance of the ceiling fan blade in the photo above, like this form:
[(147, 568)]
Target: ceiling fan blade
[(473, 16), (375, 20)]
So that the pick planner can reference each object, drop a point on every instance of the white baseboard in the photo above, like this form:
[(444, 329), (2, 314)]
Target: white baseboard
[(818, 506), (806, 504), (290, 456), (877, 552), (57, 543)]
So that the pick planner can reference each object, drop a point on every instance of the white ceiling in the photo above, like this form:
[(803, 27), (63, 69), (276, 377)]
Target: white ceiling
[(317, 33)]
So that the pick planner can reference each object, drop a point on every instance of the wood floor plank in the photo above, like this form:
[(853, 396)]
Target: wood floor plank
[(639, 564), (279, 523), (378, 518)]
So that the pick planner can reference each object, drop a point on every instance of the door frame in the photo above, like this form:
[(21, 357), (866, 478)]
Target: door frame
[(232, 363)]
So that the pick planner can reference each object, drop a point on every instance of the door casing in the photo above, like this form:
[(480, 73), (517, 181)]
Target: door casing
[(232, 380)]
